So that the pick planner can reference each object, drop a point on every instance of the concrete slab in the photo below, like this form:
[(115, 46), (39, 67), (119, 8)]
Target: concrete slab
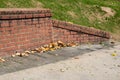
[(85, 62)]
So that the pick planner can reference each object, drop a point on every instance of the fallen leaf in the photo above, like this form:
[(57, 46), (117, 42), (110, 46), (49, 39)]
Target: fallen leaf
[(26, 55), (2, 60), (72, 44), (37, 50), (43, 49), (61, 44), (114, 54), (13, 55), (33, 52), (17, 54), (22, 54), (28, 52)]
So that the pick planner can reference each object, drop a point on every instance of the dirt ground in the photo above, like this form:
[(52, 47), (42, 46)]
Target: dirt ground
[(85, 62)]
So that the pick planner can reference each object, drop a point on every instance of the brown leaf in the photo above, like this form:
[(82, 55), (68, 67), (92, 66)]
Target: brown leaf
[(28, 52), (38, 49), (61, 44), (17, 54), (2, 60), (33, 51), (13, 55), (72, 44)]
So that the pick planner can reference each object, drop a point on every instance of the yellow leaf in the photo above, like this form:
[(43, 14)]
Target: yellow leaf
[(51, 49), (114, 54)]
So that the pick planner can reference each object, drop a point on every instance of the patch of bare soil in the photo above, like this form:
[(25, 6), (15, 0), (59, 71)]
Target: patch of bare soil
[(94, 14), (72, 14), (109, 11), (37, 3), (10, 5), (116, 37)]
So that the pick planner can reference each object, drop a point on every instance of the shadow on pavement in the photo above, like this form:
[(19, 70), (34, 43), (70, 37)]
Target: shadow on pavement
[(39, 59)]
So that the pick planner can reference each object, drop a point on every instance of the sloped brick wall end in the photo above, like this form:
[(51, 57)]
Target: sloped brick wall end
[(68, 32), (22, 29)]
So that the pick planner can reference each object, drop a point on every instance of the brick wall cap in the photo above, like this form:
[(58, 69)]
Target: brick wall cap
[(14, 13)]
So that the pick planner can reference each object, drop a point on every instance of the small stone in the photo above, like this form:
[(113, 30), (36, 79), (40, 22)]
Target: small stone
[(89, 54), (56, 54), (67, 68), (118, 65), (62, 70), (105, 72), (104, 64), (76, 57)]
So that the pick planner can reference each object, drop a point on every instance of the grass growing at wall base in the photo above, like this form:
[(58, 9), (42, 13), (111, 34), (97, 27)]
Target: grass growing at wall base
[(82, 12)]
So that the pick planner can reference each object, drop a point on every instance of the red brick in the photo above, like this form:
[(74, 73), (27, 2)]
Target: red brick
[(4, 24)]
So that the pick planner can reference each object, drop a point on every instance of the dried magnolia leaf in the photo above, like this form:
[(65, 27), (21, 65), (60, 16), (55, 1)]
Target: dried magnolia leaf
[(17, 54), (38, 49), (53, 45), (33, 52), (43, 49), (61, 44), (50, 45), (26, 55), (46, 49), (46, 46), (22, 54), (52, 49), (2, 60), (27, 52), (71, 44), (13, 55)]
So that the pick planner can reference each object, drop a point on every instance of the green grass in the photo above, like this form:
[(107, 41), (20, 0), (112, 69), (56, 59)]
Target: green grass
[(82, 12)]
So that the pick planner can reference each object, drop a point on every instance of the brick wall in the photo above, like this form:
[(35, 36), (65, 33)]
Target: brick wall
[(22, 29), (69, 32)]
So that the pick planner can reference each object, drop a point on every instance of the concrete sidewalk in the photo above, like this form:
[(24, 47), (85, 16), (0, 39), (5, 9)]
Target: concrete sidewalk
[(86, 62)]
